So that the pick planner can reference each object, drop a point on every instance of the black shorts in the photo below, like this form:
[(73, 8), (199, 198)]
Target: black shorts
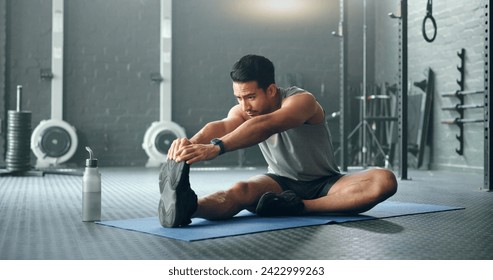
[(307, 189)]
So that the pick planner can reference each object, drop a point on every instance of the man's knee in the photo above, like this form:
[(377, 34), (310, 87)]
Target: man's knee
[(387, 182), (242, 193)]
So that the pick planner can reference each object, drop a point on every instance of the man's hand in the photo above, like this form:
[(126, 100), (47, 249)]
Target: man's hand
[(176, 146), (197, 152), (183, 150)]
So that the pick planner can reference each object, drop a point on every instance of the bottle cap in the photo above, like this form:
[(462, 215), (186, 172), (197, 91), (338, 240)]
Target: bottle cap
[(91, 162)]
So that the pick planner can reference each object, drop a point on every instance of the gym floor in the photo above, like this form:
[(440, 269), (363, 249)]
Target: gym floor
[(41, 219)]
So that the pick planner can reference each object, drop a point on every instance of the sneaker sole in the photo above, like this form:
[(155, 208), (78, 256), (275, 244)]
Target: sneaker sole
[(263, 210), (260, 205), (169, 180)]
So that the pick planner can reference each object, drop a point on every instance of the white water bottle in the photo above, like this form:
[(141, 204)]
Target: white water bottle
[(91, 190)]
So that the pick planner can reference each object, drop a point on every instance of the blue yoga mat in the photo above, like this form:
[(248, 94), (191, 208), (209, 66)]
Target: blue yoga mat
[(246, 222)]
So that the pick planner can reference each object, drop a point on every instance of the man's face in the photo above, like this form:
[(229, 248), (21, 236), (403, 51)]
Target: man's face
[(253, 100)]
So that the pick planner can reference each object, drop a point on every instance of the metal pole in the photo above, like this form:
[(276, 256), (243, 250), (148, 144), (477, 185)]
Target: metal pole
[(165, 88), (402, 108), (488, 136), (57, 59), (364, 149), (19, 98), (344, 98)]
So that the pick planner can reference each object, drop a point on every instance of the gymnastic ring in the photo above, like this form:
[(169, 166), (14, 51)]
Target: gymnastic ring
[(429, 40)]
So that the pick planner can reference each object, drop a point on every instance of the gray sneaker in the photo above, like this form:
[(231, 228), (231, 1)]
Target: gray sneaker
[(178, 201), (286, 203)]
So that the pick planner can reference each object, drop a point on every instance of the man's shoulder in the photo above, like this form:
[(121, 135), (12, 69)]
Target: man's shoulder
[(289, 91)]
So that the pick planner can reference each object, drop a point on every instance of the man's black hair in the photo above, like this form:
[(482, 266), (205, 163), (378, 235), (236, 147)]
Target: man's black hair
[(254, 68)]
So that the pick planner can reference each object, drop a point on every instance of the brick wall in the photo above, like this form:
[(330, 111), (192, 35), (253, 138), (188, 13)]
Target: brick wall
[(209, 36), (28, 45), (460, 26), (112, 48)]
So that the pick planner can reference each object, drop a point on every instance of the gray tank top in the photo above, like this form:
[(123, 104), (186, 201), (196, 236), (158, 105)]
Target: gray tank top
[(303, 153)]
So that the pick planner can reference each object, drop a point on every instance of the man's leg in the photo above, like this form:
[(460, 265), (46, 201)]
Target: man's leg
[(242, 195), (356, 192)]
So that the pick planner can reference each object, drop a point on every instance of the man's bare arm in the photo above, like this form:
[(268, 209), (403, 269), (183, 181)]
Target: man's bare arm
[(215, 129), (299, 109), (218, 129), (295, 111)]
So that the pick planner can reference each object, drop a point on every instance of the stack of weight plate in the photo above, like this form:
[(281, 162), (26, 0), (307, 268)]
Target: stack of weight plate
[(18, 141)]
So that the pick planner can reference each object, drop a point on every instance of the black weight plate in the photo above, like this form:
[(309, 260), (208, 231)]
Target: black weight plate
[(55, 141), (18, 138), (163, 141)]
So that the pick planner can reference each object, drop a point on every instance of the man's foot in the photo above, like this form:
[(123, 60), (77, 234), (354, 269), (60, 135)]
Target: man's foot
[(280, 204), (178, 201)]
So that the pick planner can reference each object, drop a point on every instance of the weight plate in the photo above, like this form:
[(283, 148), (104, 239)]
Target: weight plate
[(55, 141), (17, 157), (163, 141)]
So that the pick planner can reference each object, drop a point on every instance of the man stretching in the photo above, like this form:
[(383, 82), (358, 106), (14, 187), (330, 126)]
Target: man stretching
[(289, 126)]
